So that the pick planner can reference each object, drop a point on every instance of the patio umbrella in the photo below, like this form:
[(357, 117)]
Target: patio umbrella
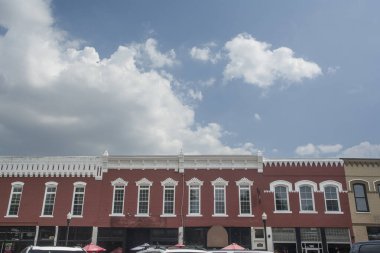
[(92, 248), (234, 246), (117, 250)]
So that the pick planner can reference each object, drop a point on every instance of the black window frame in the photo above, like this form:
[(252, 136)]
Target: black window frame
[(359, 199)]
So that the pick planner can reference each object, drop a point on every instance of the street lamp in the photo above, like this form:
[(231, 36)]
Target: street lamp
[(264, 218), (68, 220)]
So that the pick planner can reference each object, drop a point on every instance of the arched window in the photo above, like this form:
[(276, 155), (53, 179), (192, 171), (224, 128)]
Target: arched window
[(306, 198), (331, 191), (281, 198), (361, 200)]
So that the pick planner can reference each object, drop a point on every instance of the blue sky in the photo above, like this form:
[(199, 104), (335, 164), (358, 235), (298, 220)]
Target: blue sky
[(287, 78)]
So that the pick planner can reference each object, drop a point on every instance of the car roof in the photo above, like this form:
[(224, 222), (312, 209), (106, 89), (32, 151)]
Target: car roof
[(368, 242), (61, 248)]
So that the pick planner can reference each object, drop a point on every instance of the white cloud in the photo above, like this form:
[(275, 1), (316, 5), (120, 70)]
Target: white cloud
[(205, 54), (362, 150), (60, 100), (257, 117), (196, 95), (257, 64), (316, 150)]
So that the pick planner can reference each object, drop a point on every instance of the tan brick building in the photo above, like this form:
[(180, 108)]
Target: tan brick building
[(363, 184)]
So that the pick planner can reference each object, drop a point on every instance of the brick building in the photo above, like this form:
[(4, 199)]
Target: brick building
[(206, 201)]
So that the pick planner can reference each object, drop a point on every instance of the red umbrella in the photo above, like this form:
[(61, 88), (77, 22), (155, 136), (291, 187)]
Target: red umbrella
[(93, 248), (234, 246), (179, 245)]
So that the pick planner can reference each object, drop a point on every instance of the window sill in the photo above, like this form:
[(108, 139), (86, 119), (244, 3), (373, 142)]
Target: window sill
[(219, 215), (168, 215), (141, 215), (246, 215), (116, 215), (333, 212), (11, 216), (282, 212), (77, 216), (46, 216), (194, 215), (362, 212), (308, 212)]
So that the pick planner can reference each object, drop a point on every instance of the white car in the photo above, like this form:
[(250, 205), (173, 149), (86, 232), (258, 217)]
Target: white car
[(52, 249)]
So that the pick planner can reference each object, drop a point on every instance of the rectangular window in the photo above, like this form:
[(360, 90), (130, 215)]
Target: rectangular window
[(143, 200), (219, 199), (78, 200), (14, 203), (194, 195), (245, 200), (118, 199), (49, 201), (169, 199)]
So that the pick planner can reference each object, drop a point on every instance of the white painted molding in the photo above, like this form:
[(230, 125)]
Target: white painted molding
[(298, 184), (219, 181), (303, 162), (194, 181), (244, 181), (119, 182), (144, 181), (169, 182), (281, 182)]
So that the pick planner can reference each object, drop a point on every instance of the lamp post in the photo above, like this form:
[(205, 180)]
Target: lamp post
[(264, 218), (68, 220)]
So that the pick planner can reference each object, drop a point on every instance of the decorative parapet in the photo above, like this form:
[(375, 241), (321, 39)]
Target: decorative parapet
[(182, 162), (54, 166), (303, 162)]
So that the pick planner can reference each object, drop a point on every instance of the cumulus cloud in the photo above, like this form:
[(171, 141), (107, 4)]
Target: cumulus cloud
[(57, 100), (196, 95), (362, 150), (257, 64), (316, 150), (205, 53), (257, 117)]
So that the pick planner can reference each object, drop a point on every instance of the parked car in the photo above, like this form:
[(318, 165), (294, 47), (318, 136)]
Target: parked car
[(366, 247), (179, 250), (240, 251), (52, 249)]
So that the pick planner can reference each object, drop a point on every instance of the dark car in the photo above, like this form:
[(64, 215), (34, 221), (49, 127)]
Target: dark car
[(366, 247)]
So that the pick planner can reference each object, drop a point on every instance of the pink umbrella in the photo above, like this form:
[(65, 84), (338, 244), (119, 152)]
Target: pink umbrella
[(90, 248), (234, 246)]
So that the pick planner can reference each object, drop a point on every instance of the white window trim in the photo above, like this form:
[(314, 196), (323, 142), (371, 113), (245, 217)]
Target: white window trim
[(198, 183), (143, 182), (118, 182), (289, 188), (78, 184), (172, 183), (47, 185), (336, 184), (246, 183), (313, 186), (14, 184), (217, 183)]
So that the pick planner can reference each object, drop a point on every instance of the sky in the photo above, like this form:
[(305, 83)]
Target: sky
[(289, 79)]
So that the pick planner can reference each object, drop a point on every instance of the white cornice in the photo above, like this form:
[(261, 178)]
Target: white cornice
[(54, 166), (181, 162), (303, 162)]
